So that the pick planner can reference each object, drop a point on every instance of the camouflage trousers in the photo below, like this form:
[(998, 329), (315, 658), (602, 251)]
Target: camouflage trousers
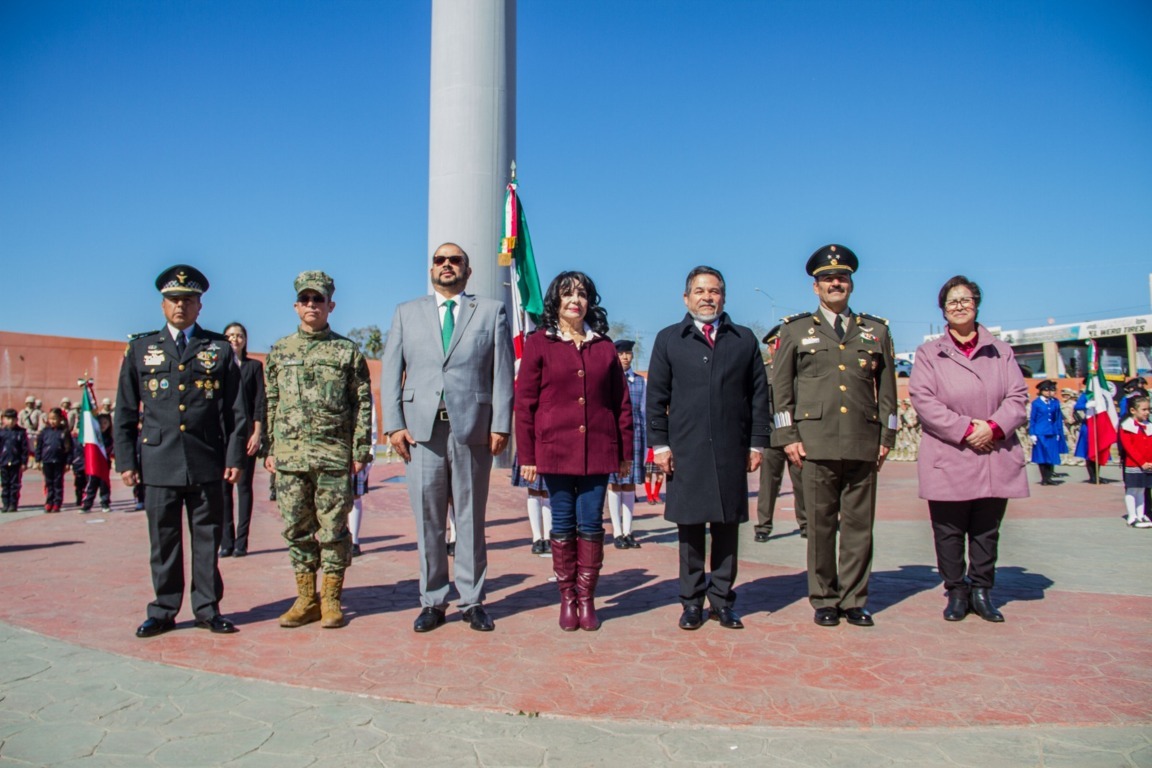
[(314, 507)]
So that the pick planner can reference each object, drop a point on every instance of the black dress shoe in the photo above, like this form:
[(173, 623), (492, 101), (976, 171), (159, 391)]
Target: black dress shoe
[(859, 617), (619, 542), (727, 618), (982, 605), (451, 549), (217, 624), (803, 533), (957, 607), (632, 543), (538, 547), (239, 552), (692, 618), (429, 619), (225, 552), (478, 619), (827, 617), (152, 627), (356, 551), (762, 536)]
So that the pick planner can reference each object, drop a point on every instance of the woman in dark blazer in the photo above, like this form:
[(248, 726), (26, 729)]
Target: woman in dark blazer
[(574, 427), (234, 535)]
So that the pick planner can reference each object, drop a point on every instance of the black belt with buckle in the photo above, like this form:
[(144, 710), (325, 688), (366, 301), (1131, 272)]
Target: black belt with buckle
[(442, 414)]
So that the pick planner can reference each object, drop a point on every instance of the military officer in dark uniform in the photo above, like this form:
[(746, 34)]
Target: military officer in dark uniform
[(835, 414), (772, 467), (192, 434)]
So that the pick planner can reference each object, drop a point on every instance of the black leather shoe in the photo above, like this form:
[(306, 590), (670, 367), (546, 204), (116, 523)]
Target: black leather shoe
[(803, 533), (632, 543), (692, 618), (982, 605), (225, 552), (356, 551), (727, 618), (217, 624), (478, 619), (239, 552), (429, 619), (762, 536), (152, 627), (451, 549), (957, 607), (859, 617), (827, 617)]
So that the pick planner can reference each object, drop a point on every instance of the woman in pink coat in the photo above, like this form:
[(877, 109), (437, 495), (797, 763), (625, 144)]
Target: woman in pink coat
[(971, 397), (574, 427)]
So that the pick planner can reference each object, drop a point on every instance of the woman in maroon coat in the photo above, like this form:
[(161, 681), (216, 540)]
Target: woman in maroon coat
[(971, 398), (573, 427)]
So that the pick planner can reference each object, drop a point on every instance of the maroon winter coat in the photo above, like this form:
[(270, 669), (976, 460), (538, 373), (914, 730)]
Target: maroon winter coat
[(573, 411), (948, 390)]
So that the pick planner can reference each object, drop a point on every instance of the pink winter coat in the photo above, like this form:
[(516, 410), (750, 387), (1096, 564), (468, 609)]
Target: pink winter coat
[(948, 390)]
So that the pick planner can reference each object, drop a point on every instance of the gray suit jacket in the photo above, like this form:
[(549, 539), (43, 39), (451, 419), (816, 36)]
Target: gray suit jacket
[(474, 378)]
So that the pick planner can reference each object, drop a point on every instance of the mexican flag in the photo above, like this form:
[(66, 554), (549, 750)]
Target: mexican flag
[(1100, 412), (516, 253), (95, 456)]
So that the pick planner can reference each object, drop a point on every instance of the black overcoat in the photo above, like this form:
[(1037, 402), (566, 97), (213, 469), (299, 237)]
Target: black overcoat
[(710, 406)]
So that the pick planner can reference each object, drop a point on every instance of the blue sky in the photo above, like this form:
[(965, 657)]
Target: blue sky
[(1009, 141)]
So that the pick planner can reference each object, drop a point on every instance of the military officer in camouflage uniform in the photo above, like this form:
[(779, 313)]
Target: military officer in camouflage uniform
[(319, 433), (191, 435), (835, 398)]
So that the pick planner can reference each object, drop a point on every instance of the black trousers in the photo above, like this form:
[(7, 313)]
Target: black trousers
[(79, 484), (238, 516), (165, 507), (693, 585), (975, 523), (10, 479), (94, 485), (53, 483), (771, 477)]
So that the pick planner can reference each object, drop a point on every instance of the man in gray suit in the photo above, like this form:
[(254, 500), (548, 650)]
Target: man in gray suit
[(446, 382)]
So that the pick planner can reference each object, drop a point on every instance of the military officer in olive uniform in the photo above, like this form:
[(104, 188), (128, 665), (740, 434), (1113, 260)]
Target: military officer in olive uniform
[(319, 416), (773, 464), (835, 414), (192, 434)]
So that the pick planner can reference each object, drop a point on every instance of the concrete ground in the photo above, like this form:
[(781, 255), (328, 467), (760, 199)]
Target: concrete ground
[(1066, 681)]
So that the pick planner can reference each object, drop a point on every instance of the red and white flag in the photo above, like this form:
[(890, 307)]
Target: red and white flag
[(95, 455), (1100, 411)]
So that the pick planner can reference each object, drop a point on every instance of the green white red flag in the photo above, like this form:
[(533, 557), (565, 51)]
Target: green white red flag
[(1100, 410), (95, 455), (516, 253)]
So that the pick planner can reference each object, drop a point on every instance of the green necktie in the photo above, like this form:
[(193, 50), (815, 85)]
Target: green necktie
[(449, 324)]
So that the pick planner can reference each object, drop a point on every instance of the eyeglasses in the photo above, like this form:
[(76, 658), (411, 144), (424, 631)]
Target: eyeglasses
[(453, 260), (311, 298), (966, 301)]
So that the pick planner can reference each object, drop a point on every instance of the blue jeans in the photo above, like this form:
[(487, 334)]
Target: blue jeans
[(577, 503)]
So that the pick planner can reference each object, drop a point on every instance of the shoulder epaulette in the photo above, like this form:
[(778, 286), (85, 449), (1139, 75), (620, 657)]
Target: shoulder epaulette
[(873, 317), (134, 336), (797, 316)]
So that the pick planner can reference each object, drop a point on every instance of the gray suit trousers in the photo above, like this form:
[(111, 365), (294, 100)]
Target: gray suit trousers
[(439, 468)]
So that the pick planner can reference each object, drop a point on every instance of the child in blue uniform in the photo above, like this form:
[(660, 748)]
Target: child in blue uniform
[(13, 459), (1046, 426), (54, 452)]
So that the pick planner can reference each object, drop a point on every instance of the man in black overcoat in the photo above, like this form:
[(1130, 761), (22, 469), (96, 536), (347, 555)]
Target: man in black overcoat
[(709, 421), (192, 435)]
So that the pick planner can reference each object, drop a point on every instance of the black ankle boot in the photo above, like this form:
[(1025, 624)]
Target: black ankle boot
[(982, 605), (957, 607)]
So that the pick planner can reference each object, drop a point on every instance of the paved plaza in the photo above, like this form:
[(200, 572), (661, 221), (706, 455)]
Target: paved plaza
[(1066, 681)]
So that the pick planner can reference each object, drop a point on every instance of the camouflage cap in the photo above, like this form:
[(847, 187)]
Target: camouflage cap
[(317, 281), (29, 400)]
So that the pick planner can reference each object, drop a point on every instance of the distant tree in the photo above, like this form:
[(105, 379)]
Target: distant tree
[(370, 339), (760, 332)]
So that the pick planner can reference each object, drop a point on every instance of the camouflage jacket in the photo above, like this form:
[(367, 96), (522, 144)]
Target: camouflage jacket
[(319, 402)]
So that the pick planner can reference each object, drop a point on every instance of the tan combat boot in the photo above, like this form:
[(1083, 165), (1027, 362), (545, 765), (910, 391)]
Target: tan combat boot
[(306, 609), (330, 600)]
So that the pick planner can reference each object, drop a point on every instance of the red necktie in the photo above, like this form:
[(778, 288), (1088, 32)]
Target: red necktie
[(708, 334)]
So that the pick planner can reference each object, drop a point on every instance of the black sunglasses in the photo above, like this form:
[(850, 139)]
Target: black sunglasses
[(453, 260)]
